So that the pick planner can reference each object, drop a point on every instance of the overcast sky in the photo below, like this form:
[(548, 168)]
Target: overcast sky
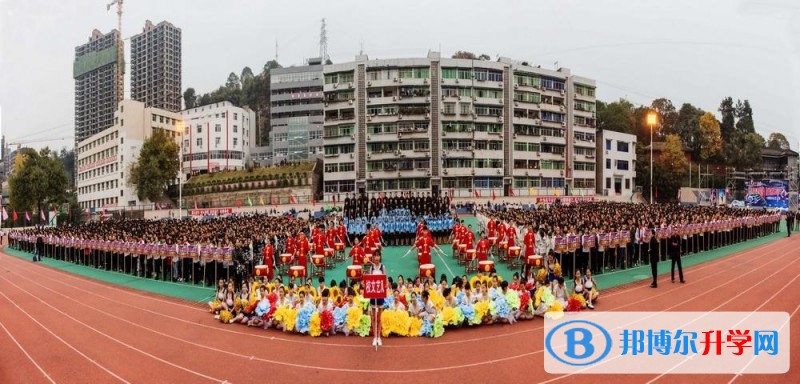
[(696, 51)]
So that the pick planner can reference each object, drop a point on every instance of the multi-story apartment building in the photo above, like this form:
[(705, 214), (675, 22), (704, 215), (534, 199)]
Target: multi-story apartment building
[(95, 72), (156, 66), (104, 158), (217, 137), (296, 117), (464, 127), (616, 163)]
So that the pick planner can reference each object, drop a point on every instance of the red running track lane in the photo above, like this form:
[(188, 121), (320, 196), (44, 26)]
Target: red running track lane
[(142, 338)]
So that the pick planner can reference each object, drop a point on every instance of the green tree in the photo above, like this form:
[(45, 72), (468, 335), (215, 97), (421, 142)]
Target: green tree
[(745, 115), (270, 65), (745, 150), (189, 98), (464, 55), (67, 159), (778, 141), (668, 115), (484, 57), (687, 127), (233, 82), (728, 118), (615, 116), (710, 137), (673, 158), (156, 168), (247, 76), (40, 181)]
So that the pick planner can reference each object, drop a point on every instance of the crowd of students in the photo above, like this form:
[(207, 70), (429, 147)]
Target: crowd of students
[(606, 235), (415, 307)]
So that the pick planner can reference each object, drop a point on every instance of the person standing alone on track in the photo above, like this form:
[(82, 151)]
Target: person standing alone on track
[(653, 259), (675, 255), (789, 223)]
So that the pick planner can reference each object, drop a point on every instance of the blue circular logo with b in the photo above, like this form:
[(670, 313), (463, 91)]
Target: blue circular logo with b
[(583, 346)]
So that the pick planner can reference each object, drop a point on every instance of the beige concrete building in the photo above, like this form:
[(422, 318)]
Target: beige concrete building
[(104, 158), (457, 126)]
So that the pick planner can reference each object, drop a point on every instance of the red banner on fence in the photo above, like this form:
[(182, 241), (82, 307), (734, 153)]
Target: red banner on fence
[(374, 286), (211, 212), (564, 200)]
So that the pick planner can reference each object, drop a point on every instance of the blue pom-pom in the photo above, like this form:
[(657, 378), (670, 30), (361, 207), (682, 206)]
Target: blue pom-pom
[(388, 302), (262, 307), (426, 329), (501, 305), (303, 319), (339, 316), (467, 309)]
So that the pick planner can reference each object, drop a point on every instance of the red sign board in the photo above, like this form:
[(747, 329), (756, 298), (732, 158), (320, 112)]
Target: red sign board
[(374, 286), (211, 212), (564, 200)]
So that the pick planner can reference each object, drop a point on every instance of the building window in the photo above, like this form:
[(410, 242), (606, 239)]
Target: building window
[(218, 128), (235, 128), (199, 141), (608, 183), (154, 118), (122, 140), (199, 128), (608, 144), (216, 141), (235, 142), (235, 116), (622, 165), (608, 163), (161, 119), (622, 146), (627, 183)]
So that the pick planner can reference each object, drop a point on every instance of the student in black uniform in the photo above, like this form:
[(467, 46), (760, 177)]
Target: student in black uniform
[(653, 259), (675, 255)]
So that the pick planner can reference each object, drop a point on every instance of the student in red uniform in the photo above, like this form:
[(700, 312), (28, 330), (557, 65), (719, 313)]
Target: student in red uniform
[(303, 247), (491, 228), (530, 242), (332, 237), (511, 234), (319, 242), (290, 247), (269, 259), (482, 250), (501, 231), (357, 253), (343, 233)]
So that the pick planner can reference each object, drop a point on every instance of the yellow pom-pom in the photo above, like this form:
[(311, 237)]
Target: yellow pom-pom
[(315, 325), (557, 270), (415, 325), (580, 299), (354, 317), (225, 316)]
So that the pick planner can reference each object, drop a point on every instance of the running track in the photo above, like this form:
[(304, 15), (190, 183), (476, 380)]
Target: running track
[(57, 327)]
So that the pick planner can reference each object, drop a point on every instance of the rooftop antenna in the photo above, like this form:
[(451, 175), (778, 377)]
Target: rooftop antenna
[(276, 50), (361, 47), (323, 42)]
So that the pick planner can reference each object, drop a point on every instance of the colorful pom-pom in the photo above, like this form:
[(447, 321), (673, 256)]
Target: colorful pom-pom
[(225, 316), (314, 325)]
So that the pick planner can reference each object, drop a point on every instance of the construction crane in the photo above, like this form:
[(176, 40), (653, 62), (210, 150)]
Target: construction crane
[(19, 143), (120, 64)]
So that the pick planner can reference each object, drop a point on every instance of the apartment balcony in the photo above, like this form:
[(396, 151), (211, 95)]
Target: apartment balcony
[(384, 155), (558, 108)]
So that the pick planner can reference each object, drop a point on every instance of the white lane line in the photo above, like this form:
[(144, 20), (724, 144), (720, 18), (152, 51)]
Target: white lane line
[(62, 340), (27, 354), (106, 335)]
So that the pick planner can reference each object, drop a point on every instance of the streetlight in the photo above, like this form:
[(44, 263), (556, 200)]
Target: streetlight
[(652, 119), (181, 131)]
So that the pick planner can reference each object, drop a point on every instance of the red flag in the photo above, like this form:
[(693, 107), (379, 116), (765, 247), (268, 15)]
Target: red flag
[(511, 191), (15, 215), (313, 201), (292, 200), (238, 203), (494, 196), (477, 194)]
